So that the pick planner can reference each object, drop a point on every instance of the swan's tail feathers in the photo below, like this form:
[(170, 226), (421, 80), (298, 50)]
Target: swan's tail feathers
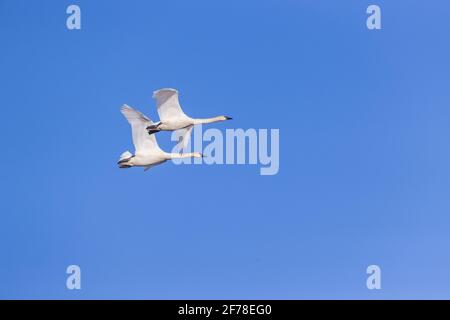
[(124, 160)]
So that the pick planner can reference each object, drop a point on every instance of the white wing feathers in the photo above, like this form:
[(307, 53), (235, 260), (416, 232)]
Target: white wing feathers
[(184, 138), (168, 106), (143, 142)]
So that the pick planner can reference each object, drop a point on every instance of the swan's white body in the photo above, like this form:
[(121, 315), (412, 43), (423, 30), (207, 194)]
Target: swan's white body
[(148, 153), (173, 118)]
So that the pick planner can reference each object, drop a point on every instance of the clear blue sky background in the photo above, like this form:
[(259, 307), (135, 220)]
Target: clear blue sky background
[(364, 162)]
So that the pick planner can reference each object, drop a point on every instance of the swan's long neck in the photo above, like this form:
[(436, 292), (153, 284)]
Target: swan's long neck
[(184, 155), (210, 120)]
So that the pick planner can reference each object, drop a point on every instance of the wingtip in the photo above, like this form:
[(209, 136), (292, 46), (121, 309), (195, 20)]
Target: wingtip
[(156, 92), (125, 107)]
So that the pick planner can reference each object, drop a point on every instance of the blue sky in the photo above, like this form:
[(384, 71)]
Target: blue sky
[(364, 150)]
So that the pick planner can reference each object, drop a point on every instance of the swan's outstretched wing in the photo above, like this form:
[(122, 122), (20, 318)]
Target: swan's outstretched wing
[(168, 106), (184, 138), (143, 142)]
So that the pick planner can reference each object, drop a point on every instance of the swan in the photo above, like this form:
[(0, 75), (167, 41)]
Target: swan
[(173, 118), (147, 154)]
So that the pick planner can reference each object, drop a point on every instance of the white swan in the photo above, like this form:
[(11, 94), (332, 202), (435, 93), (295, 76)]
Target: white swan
[(148, 154), (173, 118)]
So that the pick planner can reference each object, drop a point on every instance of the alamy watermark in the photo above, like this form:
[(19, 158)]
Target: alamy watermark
[(73, 22), (374, 279), (237, 146), (373, 22), (73, 281)]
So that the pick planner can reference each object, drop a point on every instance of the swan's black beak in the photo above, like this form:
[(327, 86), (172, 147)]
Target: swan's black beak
[(228, 118)]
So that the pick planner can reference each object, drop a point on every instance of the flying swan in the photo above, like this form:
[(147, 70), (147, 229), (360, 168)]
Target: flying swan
[(147, 154), (173, 118)]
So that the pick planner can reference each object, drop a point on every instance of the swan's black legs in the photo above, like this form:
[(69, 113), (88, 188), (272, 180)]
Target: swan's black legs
[(153, 128)]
